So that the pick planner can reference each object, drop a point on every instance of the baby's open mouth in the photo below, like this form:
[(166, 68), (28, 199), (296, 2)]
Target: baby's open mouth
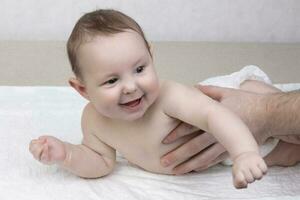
[(132, 103)]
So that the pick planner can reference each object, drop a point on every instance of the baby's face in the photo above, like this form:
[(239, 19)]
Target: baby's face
[(119, 75)]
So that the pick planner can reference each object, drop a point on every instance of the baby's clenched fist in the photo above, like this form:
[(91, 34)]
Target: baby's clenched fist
[(247, 168), (48, 150)]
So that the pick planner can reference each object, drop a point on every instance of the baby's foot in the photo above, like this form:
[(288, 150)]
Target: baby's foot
[(247, 168), (48, 150), (284, 154)]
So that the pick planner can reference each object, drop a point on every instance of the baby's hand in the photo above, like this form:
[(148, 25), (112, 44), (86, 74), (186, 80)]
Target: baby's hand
[(48, 150), (247, 168)]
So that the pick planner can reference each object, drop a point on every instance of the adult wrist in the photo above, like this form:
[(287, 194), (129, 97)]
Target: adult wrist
[(259, 117), (283, 116)]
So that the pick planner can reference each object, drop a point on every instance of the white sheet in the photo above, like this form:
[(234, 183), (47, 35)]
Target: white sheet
[(27, 112)]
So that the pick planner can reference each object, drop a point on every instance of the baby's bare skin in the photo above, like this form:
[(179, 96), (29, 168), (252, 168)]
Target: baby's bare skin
[(137, 142), (132, 111)]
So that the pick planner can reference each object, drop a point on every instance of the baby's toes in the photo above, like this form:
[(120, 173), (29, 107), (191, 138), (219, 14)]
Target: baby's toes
[(239, 180)]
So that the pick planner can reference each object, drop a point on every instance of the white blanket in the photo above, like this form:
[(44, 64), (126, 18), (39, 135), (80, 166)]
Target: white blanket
[(27, 112)]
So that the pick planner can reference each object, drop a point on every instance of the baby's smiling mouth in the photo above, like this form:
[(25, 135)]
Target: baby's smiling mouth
[(132, 103)]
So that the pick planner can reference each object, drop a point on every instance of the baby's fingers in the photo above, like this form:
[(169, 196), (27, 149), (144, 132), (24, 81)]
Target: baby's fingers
[(249, 176), (239, 180), (36, 142), (44, 157), (263, 167), (36, 150), (257, 173)]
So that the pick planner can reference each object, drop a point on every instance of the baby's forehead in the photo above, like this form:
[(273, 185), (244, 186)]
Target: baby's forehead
[(124, 44), (122, 49), (118, 41)]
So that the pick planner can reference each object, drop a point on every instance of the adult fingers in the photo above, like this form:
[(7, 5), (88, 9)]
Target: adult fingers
[(215, 92), (294, 139), (223, 156), (203, 160), (188, 149), (179, 131)]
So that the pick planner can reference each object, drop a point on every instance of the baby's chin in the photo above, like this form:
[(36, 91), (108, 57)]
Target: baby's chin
[(133, 116), (125, 116)]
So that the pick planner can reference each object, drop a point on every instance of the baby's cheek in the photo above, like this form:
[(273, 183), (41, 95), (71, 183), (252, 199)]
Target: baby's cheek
[(106, 103), (152, 84)]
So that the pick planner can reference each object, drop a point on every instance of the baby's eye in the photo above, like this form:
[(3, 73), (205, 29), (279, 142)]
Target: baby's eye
[(111, 81), (140, 69)]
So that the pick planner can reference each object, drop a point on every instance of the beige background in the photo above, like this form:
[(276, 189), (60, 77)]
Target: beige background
[(167, 20), (46, 63)]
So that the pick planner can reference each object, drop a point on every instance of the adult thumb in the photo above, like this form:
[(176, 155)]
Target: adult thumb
[(214, 92)]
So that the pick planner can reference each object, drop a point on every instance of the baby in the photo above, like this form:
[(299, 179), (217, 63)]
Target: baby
[(130, 110)]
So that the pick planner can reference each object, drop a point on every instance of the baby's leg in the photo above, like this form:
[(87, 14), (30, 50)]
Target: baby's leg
[(284, 154)]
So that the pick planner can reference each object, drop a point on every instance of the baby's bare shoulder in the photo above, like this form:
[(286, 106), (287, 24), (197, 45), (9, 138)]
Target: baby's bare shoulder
[(90, 119), (168, 87), (91, 125), (171, 90), (88, 113), (179, 98), (170, 93)]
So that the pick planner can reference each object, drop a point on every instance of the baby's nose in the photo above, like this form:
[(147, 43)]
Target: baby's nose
[(130, 87)]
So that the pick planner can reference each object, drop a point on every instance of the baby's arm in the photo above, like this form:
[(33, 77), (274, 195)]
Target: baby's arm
[(91, 159), (80, 159), (188, 105)]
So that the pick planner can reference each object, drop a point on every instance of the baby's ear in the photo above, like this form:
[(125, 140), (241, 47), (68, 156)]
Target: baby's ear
[(79, 87), (151, 49)]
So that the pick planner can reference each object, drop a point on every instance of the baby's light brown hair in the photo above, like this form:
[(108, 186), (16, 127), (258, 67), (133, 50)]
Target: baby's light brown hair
[(97, 23)]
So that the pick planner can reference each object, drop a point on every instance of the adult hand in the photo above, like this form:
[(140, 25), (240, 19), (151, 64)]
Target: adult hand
[(293, 139), (204, 151), (263, 114), (196, 154), (247, 105)]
